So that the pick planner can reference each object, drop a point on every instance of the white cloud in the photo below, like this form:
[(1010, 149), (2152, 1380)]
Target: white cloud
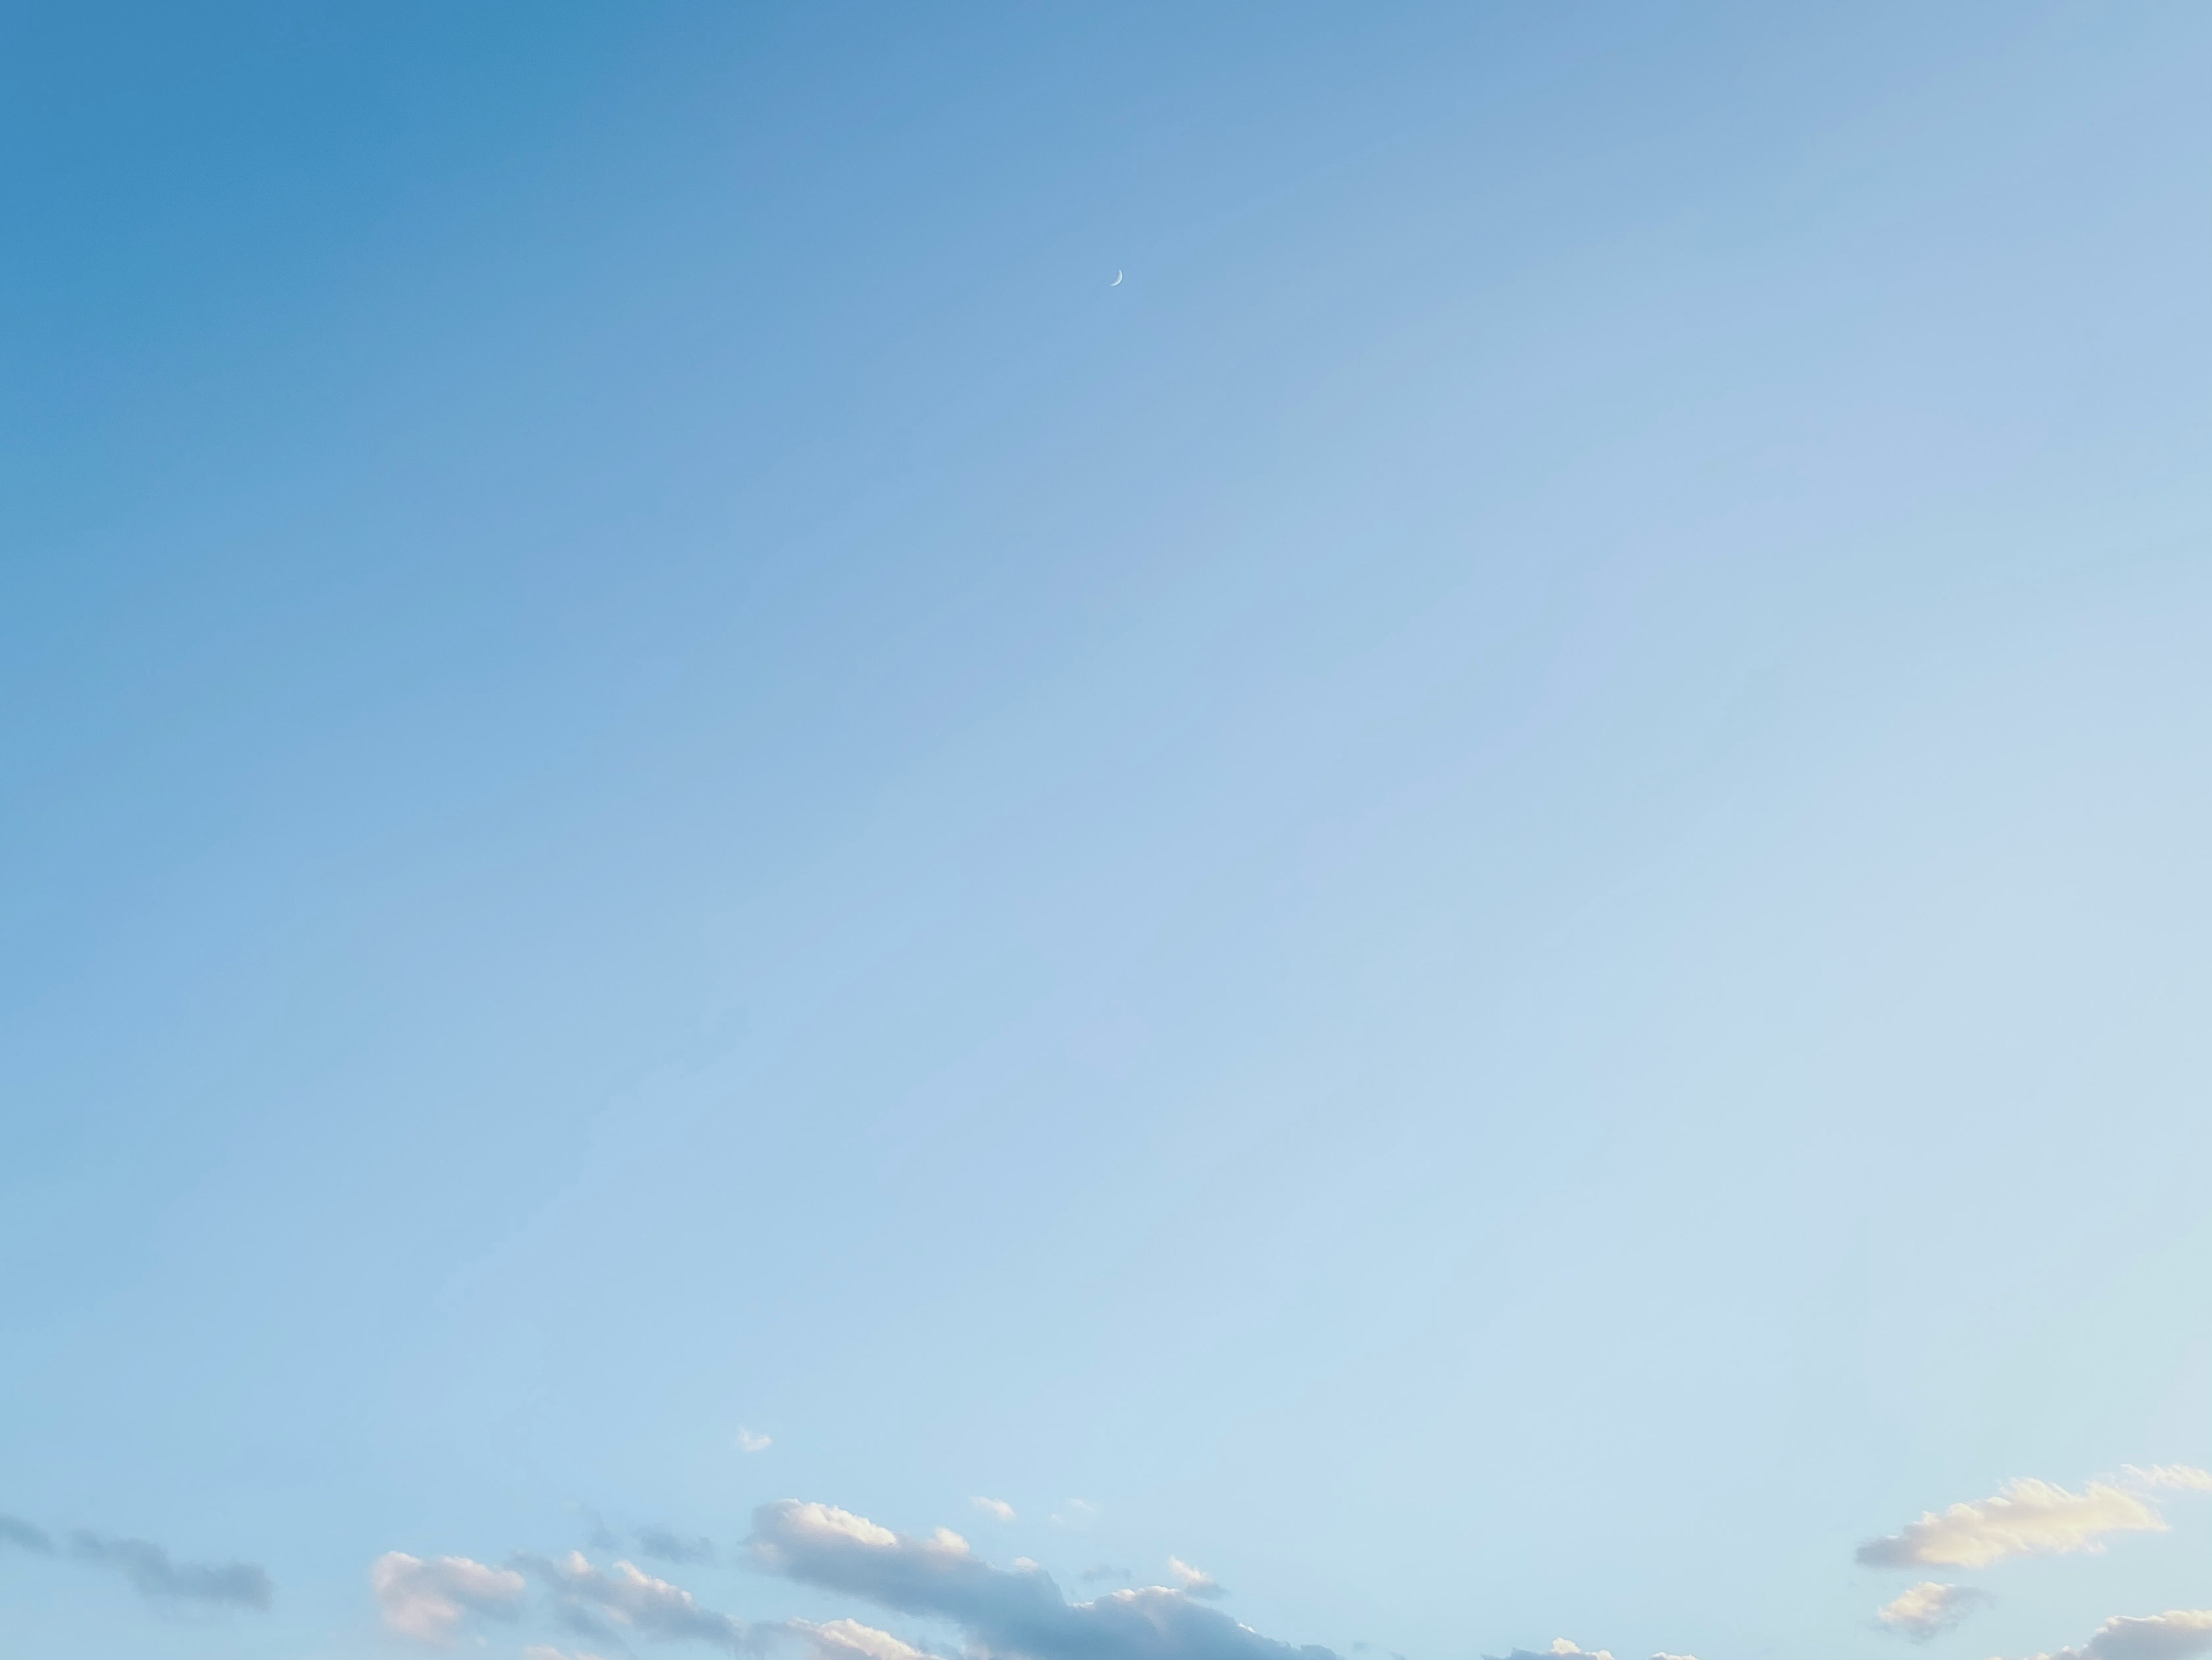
[(2186, 1478), (748, 1442), (2177, 1635), (428, 1601), (1928, 1610), (1562, 1649), (2025, 1518), (1194, 1581), (848, 1640), (1663, 1655), (998, 1507)]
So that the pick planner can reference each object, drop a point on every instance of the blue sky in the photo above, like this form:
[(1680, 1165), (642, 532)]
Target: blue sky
[(1474, 919)]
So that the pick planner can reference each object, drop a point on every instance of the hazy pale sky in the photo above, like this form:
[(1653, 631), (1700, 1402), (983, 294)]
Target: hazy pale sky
[(742, 918)]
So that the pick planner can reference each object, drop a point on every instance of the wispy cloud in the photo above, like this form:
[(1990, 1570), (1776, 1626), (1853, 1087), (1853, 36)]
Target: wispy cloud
[(598, 1535), (152, 1572), (428, 1601), (161, 1579), (1194, 1581), (2176, 1634), (592, 1600), (2182, 1478), (998, 1507), (664, 1545), (1929, 1609), (1007, 1612), (14, 1530), (749, 1442), (2025, 1518)]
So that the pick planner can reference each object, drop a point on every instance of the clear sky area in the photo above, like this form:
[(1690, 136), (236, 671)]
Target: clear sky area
[(1106, 832)]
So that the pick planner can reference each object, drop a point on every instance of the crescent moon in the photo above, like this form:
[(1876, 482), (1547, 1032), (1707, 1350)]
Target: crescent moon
[(1117, 283)]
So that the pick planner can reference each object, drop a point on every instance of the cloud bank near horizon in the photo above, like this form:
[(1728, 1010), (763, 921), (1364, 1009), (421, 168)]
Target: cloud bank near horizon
[(1018, 1612)]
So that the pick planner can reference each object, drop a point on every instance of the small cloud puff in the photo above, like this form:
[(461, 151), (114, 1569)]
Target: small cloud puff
[(2025, 1518), (1562, 1649), (1929, 1609), (998, 1507), (429, 1600), (2177, 1635), (1194, 1581), (748, 1442)]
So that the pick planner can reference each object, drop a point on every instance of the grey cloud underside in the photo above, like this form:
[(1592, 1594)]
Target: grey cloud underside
[(157, 1576), (1006, 1612), (14, 1530)]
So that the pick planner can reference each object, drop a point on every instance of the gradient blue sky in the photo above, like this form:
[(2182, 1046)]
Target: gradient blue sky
[(1486, 906)]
